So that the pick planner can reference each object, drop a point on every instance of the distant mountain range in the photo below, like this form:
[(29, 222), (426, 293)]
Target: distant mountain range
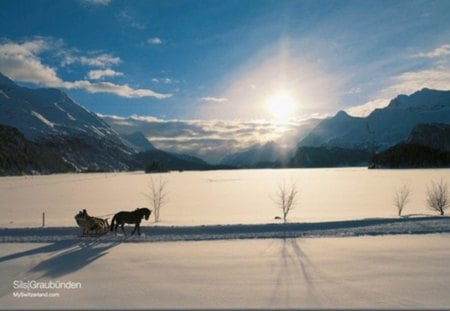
[(269, 155), (50, 118), (266, 155), (44, 131), (343, 140), (46, 121), (383, 127)]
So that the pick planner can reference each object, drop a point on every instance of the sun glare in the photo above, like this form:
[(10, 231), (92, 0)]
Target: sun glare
[(281, 106)]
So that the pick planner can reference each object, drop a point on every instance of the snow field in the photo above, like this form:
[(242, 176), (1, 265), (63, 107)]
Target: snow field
[(403, 271), (218, 245), (216, 197)]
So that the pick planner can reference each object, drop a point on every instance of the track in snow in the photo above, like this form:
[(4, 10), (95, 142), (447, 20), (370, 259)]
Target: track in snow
[(372, 227)]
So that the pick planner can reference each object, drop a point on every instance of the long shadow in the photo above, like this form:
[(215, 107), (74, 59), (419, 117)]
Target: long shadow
[(73, 258), (294, 265), (54, 247), (71, 255)]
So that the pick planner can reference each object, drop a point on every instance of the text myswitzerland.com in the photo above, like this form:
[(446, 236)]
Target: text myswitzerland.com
[(34, 289)]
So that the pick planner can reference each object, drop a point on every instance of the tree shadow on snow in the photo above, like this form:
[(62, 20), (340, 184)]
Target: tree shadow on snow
[(294, 267)]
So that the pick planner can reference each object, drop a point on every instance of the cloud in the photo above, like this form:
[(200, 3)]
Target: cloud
[(99, 74), (409, 82), (214, 99), (154, 41), (163, 80), (97, 2), (441, 51), (365, 109), (405, 83), (209, 139), (102, 60), (126, 18), (22, 62), (435, 74), (108, 87)]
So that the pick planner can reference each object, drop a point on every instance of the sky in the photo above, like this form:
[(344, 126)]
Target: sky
[(234, 61)]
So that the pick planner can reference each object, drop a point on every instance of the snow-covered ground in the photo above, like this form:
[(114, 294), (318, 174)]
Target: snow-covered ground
[(219, 246), (215, 197), (399, 271)]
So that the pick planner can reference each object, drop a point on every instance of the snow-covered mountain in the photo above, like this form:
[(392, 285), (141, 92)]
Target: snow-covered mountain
[(49, 117), (266, 155), (52, 122), (383, 127), (273, 153), (38, 113), (20, 156), (138, 141)]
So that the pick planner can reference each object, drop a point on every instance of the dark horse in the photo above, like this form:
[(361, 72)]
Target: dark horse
[(134, 217)]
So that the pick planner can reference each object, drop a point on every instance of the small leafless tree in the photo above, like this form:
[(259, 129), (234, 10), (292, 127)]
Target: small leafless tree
[(401, 198), (286, 198), (438, 196), (158, 195)]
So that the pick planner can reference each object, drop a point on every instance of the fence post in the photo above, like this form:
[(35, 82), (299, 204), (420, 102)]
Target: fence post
[(43, 219)]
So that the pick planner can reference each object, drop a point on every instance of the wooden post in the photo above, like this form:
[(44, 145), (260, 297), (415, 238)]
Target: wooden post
[(43, 219)]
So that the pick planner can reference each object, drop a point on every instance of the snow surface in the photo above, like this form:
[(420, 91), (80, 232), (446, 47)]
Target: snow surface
[(219, 245), (402, 271), (3, 94), (42, 119), (216, 197)]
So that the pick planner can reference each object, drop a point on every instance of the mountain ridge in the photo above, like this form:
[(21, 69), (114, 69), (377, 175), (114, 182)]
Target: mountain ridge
[(48, 119), (383, 127)]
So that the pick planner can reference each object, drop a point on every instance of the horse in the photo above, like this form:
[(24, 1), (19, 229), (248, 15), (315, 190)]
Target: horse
[(134, 217)]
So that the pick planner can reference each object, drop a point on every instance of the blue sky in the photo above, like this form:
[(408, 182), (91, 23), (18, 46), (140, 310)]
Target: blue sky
[(223, 60)]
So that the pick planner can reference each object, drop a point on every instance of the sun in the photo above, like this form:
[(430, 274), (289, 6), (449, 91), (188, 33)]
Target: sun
[(281, 106)]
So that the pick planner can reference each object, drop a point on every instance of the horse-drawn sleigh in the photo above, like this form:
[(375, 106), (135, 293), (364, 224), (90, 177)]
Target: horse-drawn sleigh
[(91, 226), (95, 226)]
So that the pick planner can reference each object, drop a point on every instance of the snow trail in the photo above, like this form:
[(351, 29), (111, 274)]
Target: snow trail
[(363, 227)]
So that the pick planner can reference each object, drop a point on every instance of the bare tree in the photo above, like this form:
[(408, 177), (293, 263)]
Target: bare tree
[(401, 198), (438, 196), (286, 198), (158, 195)]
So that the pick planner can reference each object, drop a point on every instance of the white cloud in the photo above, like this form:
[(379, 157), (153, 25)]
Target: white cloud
[(208, 139), (154, 41), (163, 80), (99, 74), (21, 62), (214, 99), (108, 87), (102, 60), (126, 18), (354, 91), (365, 109), (441, 51), (97, 2), (409, 82), (406, 83)]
